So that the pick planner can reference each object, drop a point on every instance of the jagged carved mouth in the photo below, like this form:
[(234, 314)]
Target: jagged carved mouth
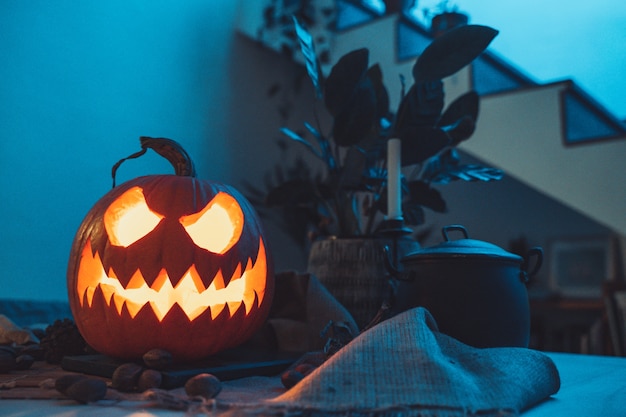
[(247, 287)]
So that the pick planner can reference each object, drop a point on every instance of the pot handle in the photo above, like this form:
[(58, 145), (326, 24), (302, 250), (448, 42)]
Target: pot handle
[(537, 253), (445, 229)]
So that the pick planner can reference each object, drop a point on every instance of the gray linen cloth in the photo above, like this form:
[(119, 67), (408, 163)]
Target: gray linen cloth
[(404, 367)]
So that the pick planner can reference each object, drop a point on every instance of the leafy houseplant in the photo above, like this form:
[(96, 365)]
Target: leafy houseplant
[(351, 197)]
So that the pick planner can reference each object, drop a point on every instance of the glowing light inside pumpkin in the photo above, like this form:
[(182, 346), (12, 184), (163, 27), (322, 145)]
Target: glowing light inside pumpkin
[(218, 226), (129, 218), (189, 293)]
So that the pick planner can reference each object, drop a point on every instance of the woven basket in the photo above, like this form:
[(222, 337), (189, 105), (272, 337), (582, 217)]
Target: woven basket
[(353, 270)]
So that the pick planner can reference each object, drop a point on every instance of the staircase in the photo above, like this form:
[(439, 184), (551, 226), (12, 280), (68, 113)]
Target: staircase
[(553, 137)]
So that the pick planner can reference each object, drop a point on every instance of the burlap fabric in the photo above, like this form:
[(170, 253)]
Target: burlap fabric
[(404, 367)]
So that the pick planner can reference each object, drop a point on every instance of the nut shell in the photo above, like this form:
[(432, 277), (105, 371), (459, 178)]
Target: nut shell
[(126, 377), (23, 362), (157, 358), (87, 390), (150, 378), (291, 377), (62, 383), (203, 385)]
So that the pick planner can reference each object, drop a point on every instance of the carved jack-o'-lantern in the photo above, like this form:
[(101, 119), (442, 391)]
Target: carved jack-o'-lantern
[(171, 262)]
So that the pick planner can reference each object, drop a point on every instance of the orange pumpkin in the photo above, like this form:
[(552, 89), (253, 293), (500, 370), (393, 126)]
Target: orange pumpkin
[(170, 262)]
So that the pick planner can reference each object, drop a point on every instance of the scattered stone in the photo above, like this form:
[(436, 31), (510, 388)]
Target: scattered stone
[(149, 379), (126, 377), (291, 377), (24, 362), (203, 385), (62, 383), (157, 358), (81, 388), (87, 390)]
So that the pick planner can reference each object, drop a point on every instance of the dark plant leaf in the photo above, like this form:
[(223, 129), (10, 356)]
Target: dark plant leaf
[(413, 213), (423, 194), (421, 142), (461, 130), (354, 163), (452, 51), (373, 204), (324, 144), (374, 177), (422, 105), (326, 190), (358, 121), (375, 75), (344, 78), (469, 173), (444, 162), (375, 152), (466, 105), (296, 137), (307, 48)]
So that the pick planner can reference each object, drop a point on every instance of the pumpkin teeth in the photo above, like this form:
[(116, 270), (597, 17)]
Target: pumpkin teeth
[(189, 293)]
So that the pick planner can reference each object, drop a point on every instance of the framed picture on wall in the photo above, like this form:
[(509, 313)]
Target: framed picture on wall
[(580, 266)]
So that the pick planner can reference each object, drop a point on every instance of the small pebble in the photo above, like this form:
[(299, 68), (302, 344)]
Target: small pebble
[(126, 377), (62, 383), (87, 390), (203, 385), (291, 377), (149, 379), (157, 358), (8, 350), (305, 368), (24, 362)]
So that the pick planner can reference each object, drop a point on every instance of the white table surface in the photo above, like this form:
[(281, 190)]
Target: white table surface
[(590, 386)]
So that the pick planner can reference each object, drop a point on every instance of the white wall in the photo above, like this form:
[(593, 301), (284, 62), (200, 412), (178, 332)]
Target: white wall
[(80, 82), (522, 132)]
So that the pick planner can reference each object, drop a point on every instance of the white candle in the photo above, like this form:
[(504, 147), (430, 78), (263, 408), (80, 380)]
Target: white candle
[(394, 187)]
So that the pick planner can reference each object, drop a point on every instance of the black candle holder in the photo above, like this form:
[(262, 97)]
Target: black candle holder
[(395, 231)]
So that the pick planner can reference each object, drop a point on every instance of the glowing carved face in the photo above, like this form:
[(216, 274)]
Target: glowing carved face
[(153, 260)]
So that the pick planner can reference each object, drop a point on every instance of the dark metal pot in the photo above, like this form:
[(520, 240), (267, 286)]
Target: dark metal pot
[(476, 291)]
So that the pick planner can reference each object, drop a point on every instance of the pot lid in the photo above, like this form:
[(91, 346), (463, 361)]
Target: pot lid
[(463, 248)]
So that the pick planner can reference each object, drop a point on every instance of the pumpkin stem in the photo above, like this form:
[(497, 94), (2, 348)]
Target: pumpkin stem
[(167, 148)]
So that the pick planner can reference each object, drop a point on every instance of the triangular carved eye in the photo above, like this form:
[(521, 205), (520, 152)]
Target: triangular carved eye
[(219, 225), (129, 218)]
